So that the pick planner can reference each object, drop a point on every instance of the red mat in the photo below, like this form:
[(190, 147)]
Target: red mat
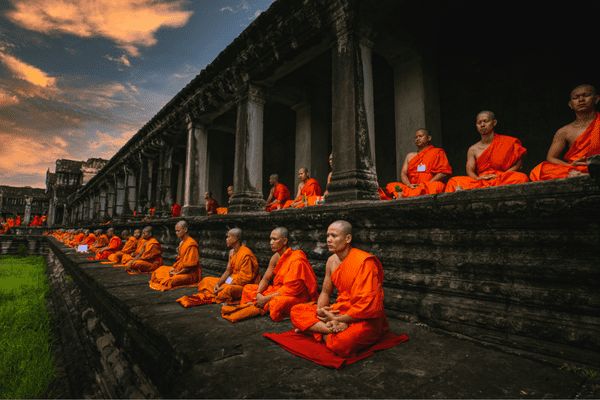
[(307, 347)]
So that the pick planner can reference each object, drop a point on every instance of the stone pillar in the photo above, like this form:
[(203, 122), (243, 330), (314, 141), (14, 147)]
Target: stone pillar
[(51, 212), (167, 194), (120, 196), (196, 167), (142, 189), (303, 141), (151, 183), (131, 191), (158, 185), (103, 198), (416, 104), (247, 173), (66, 215), (110, 199), (354, 176), (27, 214), (180, 183), (90, 201)]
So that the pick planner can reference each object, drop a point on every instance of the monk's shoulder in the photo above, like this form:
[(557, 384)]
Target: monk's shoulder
[(411, 155), (333, 262)]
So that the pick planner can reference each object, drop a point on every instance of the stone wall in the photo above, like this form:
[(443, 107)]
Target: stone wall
[(515, 266)]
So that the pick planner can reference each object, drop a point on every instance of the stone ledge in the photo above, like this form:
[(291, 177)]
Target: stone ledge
[(195, 353)]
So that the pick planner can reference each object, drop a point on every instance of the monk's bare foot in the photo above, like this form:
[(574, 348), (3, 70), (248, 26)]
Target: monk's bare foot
[(574, 173)]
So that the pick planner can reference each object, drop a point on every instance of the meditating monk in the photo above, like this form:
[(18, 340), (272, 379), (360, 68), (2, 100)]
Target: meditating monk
[(292, 279), (139, 249), (90, 238), (114, 245), (329, 174), (175, 210), (150, 258), (493, 161), (309, 191), (101, 241), (210, 204), (423, 171), (356, 320), (582, 137), (242, 268), (78, 238), (278, 195), (129, 247), (223, 210), (186, 270)]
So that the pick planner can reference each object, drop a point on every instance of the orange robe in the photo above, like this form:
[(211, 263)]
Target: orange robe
[(312, 191), (76, 240), (421, 168), (188, 256), (128, 248), (175, 210), (587, 144), (244, 270), (359, 282), (211, 205), (113, 246), (281, 193), (221, 210), (150, 259), (101, 241), (125, 258), (497, 158), (294, 280)]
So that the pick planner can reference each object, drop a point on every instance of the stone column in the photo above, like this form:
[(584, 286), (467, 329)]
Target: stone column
[(142, 189), (247, 173), (303, 141), (196, 167), (51, 211), (167, 195), (354, 176), (151, 183), (180, 183), (416, 104), (90, 215), (110, 199), (120, 195), (27, 214), (131, 191), (66, 215), (103, 197)]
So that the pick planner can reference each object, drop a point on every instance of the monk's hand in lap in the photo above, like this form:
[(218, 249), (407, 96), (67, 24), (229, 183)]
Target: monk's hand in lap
[(337, 326), (216, 288), (326, 314), (580, 161), (574, 173), (412, 185), (486, 177), (261, 300)]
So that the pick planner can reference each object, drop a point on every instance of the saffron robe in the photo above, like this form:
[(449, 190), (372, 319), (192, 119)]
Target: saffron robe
[(138, 250), (76, 240), (211, 206), (128, 248), (281, 193), (244, 270), (101, 241), (150, 259), (113, 246), (294, 280), (427, 163), (221, 210), (359, 282), (90, 239), (587, 144), (311, 190), (497, 158), (188, 256)]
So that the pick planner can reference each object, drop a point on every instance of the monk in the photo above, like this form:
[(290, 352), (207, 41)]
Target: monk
[(139, 249), (292, 278), (186, 270), (329, 174), (150, 258), (493, 161), (114, 245), (175, 210), (101, 241), (90, 238), (210, 204), (242, 268), (582, 137), (278, 195), (129, 246), (356, 320), (423, 171), (309, 191), (77, 238), (223, 210), (18, 221)]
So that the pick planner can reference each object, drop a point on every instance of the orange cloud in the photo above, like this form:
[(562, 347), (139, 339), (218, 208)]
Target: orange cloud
[(7, 99), (105, 145), (129, 23), (26, 72)]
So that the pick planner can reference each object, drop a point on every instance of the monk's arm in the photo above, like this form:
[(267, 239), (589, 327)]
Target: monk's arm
[(471, 163), (558, 144), (264, 282), (404, 170), (270, 199), (227, 272), (438, 177), (516, 166), (323, 300)]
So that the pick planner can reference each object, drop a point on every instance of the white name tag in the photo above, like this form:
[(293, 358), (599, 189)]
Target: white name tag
[(421, 168), (82, 248), (229, 280)]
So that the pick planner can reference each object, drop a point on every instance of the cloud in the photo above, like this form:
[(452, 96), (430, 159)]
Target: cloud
[(7, 99), (106, 145), (129, 23), (241, 6), (123, 60), (26, 72)]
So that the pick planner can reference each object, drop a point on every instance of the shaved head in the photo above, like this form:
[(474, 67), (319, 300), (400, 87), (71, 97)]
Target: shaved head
[(283, 232), (237, 232), (137, 231), (125, 232), (274, 176), (585, 86), (344, 226), (110, 231), (182, 224), (490, 114), (147, 229)]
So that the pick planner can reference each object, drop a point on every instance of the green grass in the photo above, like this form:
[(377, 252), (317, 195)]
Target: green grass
[(26, 363)]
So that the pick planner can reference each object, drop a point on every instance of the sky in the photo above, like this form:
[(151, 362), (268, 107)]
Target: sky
[(78, 78)]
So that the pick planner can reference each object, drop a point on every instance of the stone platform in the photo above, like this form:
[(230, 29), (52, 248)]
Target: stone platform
[(195, 353)]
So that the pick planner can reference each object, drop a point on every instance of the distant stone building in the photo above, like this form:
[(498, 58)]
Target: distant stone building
[(69, 176), (24, 201)]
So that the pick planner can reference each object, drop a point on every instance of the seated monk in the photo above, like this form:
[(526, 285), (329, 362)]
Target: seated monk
[(493, 161), (278, 195), (150, 257), (90, 238), (139, 249), (128, 248), (422, 171), (114, 245), (175, 210), (223, 210), (101, 241), (210, 204), (293, 282), (357, 319), (242, 268), (309, 191), (186, 270), (77, 239), (581, 136)]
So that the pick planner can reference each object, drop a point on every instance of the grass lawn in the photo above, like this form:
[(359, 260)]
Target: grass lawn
[(26, 364)]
